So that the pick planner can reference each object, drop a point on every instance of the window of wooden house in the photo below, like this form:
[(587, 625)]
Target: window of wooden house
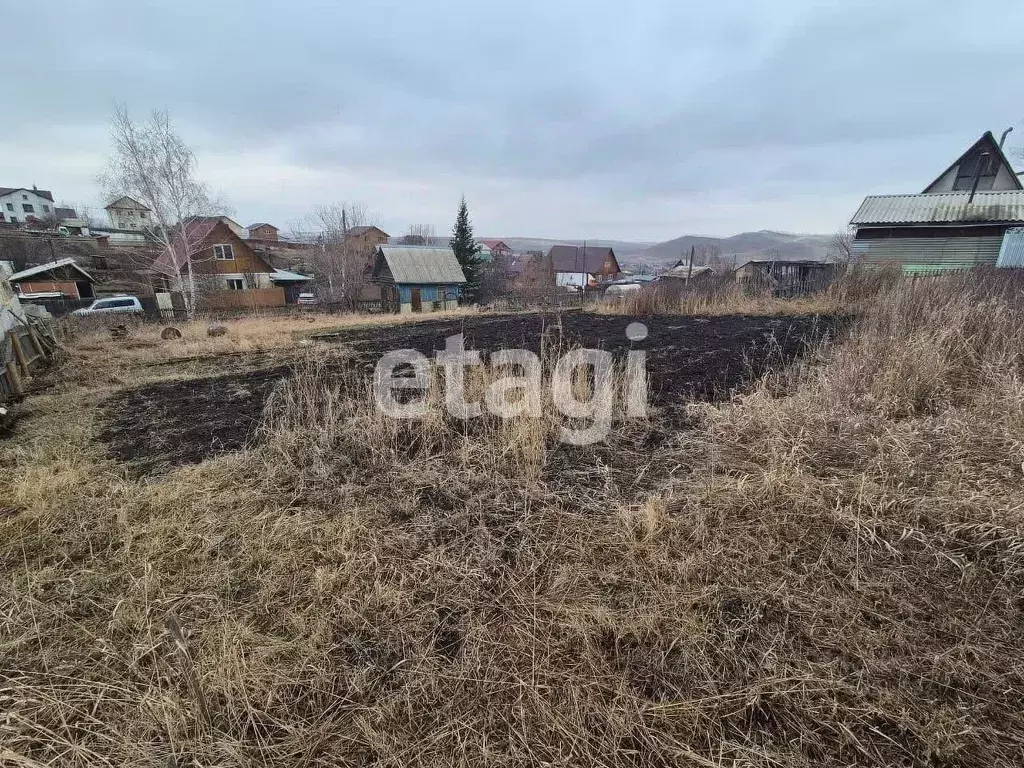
[(236, 283), (223, 253)]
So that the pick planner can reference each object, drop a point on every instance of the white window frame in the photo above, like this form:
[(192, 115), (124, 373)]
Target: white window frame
[(218, 251), (235, 283)]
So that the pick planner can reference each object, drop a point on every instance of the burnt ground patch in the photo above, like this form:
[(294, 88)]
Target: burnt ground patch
[(185, 422), (181, 422)]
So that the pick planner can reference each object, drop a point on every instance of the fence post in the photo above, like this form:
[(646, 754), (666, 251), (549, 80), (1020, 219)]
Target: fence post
[(18, 351), (15, 379)]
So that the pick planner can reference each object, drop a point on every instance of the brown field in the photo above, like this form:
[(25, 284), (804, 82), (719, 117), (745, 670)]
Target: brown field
[(218, 552)]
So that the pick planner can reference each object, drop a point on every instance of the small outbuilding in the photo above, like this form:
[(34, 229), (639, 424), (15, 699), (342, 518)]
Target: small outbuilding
[(785, 278), (62, 278), (293, 284), (417, 278), (971, 215)]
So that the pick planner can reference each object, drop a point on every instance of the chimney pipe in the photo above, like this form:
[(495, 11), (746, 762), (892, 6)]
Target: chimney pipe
[(1003, 137), (982, 163)]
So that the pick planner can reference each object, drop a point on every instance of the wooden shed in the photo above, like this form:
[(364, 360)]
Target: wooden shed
[(417, 278)]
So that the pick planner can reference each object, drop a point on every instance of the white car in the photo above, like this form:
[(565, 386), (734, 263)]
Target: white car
[(112, 305)]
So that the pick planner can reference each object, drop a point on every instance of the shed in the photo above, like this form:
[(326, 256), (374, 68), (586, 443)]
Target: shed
[(63, 276), (417, 278), (967, 217), (292, 282), (785, 278)]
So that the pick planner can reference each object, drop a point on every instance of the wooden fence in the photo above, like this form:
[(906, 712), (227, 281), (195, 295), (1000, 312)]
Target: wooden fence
[(22, 349), (256, 298)]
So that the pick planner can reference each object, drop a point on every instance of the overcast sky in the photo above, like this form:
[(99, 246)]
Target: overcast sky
[(555, 118)]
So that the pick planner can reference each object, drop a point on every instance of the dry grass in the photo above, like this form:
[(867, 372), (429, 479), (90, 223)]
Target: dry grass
[(837, 580), (721, 295), (93, 356)]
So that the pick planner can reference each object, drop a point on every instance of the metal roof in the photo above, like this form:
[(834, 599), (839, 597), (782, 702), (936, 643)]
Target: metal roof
[(1011, 250), (44, 193), (573, 258), (18, 276), (941, 208), (284, 276), (421, 264)]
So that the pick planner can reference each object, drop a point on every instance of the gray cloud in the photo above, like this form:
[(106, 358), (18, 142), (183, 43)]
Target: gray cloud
[(573, 115)]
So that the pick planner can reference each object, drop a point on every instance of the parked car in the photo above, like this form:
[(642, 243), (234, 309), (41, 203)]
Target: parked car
[(306, 298), (112, 305)]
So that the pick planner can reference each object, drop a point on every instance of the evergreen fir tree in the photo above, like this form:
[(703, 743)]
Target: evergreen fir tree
[(466, 251)]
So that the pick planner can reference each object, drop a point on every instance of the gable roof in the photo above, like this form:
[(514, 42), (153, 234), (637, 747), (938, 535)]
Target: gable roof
[(492, 243), (941, 208), (65, 213), (683, 272), (45, 193), (197, 230), (362, 229), (42, 268), (261, 224), (127, 202), (987, 143), (572, 258), (418, 265)]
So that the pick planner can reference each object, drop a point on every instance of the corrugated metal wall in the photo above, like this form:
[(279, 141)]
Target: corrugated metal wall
[(946, 252), (1012, 252)]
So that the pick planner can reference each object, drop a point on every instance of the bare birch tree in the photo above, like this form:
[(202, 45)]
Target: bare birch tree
[(341, 259), (152, 164)]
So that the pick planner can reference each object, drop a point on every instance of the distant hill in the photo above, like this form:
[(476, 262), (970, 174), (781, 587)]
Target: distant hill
[(746, 245)]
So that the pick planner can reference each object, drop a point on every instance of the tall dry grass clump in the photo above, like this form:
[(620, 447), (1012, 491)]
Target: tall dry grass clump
[(830, 573)]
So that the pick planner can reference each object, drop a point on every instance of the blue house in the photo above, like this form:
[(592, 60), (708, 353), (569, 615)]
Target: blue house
[(415, 278)]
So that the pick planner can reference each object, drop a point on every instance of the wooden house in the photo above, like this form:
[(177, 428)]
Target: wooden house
[(368, 236), (263, 231), (229, 273), (582, 266), (417, 278)]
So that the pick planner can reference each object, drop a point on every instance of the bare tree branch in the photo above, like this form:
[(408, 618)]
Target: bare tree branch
[(152, 164), (341, 260)]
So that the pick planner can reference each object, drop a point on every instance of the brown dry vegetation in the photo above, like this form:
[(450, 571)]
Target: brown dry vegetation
[(722, 295), (831, 574)]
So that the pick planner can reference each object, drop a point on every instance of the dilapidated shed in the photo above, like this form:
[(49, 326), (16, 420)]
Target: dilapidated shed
[(785, 278)]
